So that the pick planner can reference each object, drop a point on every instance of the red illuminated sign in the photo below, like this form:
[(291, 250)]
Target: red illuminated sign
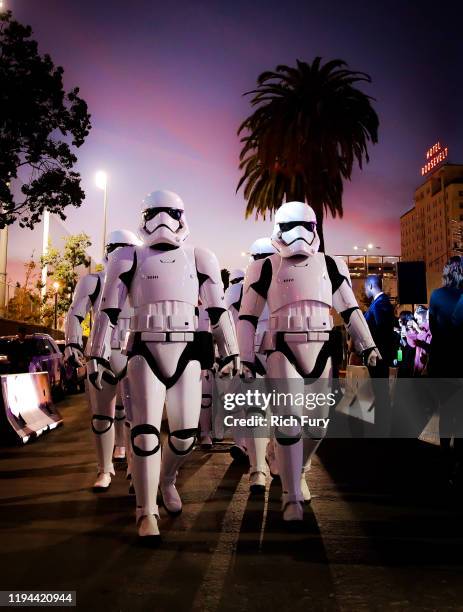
[(434, 156)]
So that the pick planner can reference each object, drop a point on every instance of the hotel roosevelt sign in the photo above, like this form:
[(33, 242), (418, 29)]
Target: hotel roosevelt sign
[(434, 156)]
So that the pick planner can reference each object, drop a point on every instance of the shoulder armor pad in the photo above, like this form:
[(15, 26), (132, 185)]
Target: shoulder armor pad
[(207, 266), (88, 284), (259, 276), (253, 271), (337, 271), (123, 262)]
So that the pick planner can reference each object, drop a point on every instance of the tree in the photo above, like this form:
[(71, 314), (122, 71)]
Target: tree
[(35, 112), (62, 269), (309, 126), (25, 304)]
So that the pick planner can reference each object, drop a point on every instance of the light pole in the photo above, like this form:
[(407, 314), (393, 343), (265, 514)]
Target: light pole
[(366, 249), (45, 238), (101, 180), (56, 287)]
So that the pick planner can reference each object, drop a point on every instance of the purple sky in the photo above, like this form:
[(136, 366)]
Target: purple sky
[(163, 82)]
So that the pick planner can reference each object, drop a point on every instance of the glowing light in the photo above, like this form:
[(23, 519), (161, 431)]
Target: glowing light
[(56, 286), (370, 246), (356, 248), (101, 179), (243, 254)]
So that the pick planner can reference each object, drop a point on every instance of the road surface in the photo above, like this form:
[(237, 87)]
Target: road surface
[(379, 534)]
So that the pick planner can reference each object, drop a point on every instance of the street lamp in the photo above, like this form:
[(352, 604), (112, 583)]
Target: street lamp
[(56, 287), (101, 180)]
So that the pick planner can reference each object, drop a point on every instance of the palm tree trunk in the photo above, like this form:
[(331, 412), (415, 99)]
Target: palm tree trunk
[(319, 217)]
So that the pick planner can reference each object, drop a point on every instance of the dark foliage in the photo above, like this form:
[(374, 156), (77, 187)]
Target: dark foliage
[(309, 126), (40, 123)]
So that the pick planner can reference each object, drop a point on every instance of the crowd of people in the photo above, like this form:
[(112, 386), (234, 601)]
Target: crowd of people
[(426, 343)]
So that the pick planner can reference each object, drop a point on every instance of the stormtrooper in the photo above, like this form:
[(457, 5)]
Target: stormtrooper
[(108, 415), (164, 281), (300, 286), (259, 448), (233, 296)]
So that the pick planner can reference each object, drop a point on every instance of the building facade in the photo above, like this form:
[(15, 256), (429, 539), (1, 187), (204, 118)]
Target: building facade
[(360, 266), (431, 231)]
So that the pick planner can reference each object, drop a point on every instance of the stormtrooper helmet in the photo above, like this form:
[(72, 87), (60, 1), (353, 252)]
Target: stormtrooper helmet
[(236, 276), (295, 231), (117, 239), (163, 219), (261, 248)]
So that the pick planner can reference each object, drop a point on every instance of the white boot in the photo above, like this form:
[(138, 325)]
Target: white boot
[(170, 498), (292, 507), (119, 453), (102, 482), (293, 511), (305, 489), (257, 482), (148, 528)]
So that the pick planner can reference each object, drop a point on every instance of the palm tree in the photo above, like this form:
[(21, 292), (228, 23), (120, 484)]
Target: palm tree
[(309, 126)]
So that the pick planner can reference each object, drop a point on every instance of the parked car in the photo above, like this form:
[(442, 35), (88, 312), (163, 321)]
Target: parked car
[(74, 378), (33, 353)]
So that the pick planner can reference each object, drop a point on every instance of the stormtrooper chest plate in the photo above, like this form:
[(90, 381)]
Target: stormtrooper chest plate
[(298, 281), (165, 276)]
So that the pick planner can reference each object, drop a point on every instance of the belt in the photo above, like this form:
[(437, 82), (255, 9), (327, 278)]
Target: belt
[(300, 337), (167, 336)]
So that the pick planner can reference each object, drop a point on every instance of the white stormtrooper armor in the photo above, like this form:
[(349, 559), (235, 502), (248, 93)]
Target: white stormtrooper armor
[(106, 405), (163, 280), (260, 449), (300, 286), (261, 249), (234, 292)]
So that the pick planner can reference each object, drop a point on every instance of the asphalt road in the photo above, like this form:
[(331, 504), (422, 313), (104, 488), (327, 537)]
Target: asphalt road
[(379, 534)]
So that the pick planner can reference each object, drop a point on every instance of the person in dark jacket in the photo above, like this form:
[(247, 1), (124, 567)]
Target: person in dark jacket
[(446, 326), (446, 323), (380, 319)]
